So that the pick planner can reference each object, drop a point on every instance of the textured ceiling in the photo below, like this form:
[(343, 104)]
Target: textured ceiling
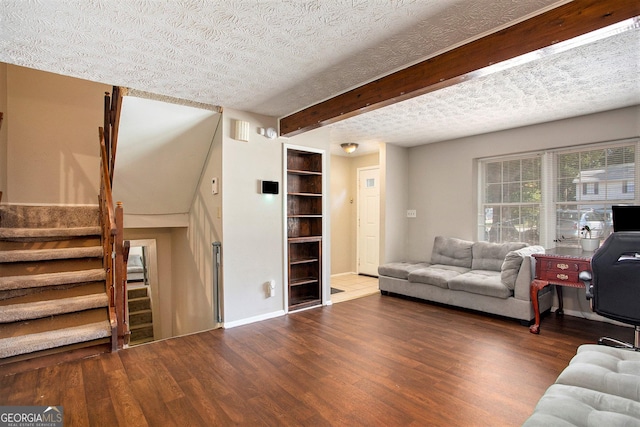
[(275, 57), (600, 76)]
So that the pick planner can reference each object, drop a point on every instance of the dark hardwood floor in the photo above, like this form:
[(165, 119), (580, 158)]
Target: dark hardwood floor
[(374, 361)]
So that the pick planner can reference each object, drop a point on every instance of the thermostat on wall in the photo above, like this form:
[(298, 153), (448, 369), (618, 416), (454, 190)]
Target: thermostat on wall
[(270, 187)]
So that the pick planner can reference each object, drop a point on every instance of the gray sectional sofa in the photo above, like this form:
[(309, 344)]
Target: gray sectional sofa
[(489, 277), (600, 387)]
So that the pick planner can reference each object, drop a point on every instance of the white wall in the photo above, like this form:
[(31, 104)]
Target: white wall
[(443, 177), (52, 138), (394, 202), (253, 223)]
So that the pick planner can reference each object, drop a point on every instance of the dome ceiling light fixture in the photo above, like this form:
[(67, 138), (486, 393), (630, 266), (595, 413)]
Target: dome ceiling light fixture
[(349, 147)]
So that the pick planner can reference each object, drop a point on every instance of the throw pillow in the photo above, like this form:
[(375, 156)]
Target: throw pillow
[(512, 262)]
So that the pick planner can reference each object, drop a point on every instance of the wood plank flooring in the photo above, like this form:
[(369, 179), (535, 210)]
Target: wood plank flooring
[(373, 361)]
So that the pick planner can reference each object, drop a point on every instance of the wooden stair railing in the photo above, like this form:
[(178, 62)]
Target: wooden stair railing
[(116, 250), (1, 117)]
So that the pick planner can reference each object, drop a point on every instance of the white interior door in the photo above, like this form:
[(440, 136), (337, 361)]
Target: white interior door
[(368, 220)]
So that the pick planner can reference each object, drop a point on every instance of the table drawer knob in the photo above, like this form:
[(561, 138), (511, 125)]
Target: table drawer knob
[(562, 276), (562, 266)]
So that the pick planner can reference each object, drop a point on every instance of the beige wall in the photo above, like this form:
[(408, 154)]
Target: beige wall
[(193, 295), (52, 123), (3, 129), (342, 202), (343, 199)]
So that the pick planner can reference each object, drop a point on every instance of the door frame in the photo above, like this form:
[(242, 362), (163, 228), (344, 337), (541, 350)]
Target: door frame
[(358, 170), (152, 274)]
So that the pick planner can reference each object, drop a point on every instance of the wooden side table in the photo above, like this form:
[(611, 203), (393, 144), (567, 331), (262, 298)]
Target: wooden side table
[(559, 270)]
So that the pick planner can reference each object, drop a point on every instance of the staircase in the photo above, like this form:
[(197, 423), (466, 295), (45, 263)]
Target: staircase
[(140, 315), (54, 304)]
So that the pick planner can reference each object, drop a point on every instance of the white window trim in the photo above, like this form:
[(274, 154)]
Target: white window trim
[(547, 226)]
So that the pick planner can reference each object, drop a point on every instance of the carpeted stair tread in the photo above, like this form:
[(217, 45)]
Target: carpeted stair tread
[(136, 293), (57, 293), (50, 243), (138, 304), (22, 216), (140, 317), (49, 267), (142, 326), (50, 254), (36, 326), (140, 332), (52, 283), (51, 279), (30, 233), (54, 338), (35, 310)]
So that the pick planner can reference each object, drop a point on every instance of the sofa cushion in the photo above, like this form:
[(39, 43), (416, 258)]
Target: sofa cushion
[(512, 262), (600, 387), (400, 270), (490, 256), (606, 370), (565, 405), (436, 275), (483, 282), (451, 251)]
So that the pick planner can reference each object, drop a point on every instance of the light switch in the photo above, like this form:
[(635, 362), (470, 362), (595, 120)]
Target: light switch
[(214, 185)]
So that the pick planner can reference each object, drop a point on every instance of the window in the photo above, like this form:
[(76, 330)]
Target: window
[(590, 188), (511, 200), (601, 173), (581, 186)]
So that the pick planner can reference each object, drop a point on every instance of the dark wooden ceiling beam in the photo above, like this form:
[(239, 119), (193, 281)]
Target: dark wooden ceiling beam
[(557, 25)]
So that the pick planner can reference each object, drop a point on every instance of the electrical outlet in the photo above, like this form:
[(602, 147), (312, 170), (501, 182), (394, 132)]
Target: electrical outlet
[(411, 213), (271, 288)]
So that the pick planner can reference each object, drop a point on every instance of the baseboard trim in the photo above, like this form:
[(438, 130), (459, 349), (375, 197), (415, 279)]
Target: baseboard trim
[(590, 316), (348, 273), (249, 320)]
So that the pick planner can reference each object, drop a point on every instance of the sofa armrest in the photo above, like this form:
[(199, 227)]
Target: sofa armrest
[(526, 274), (522, 290)]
